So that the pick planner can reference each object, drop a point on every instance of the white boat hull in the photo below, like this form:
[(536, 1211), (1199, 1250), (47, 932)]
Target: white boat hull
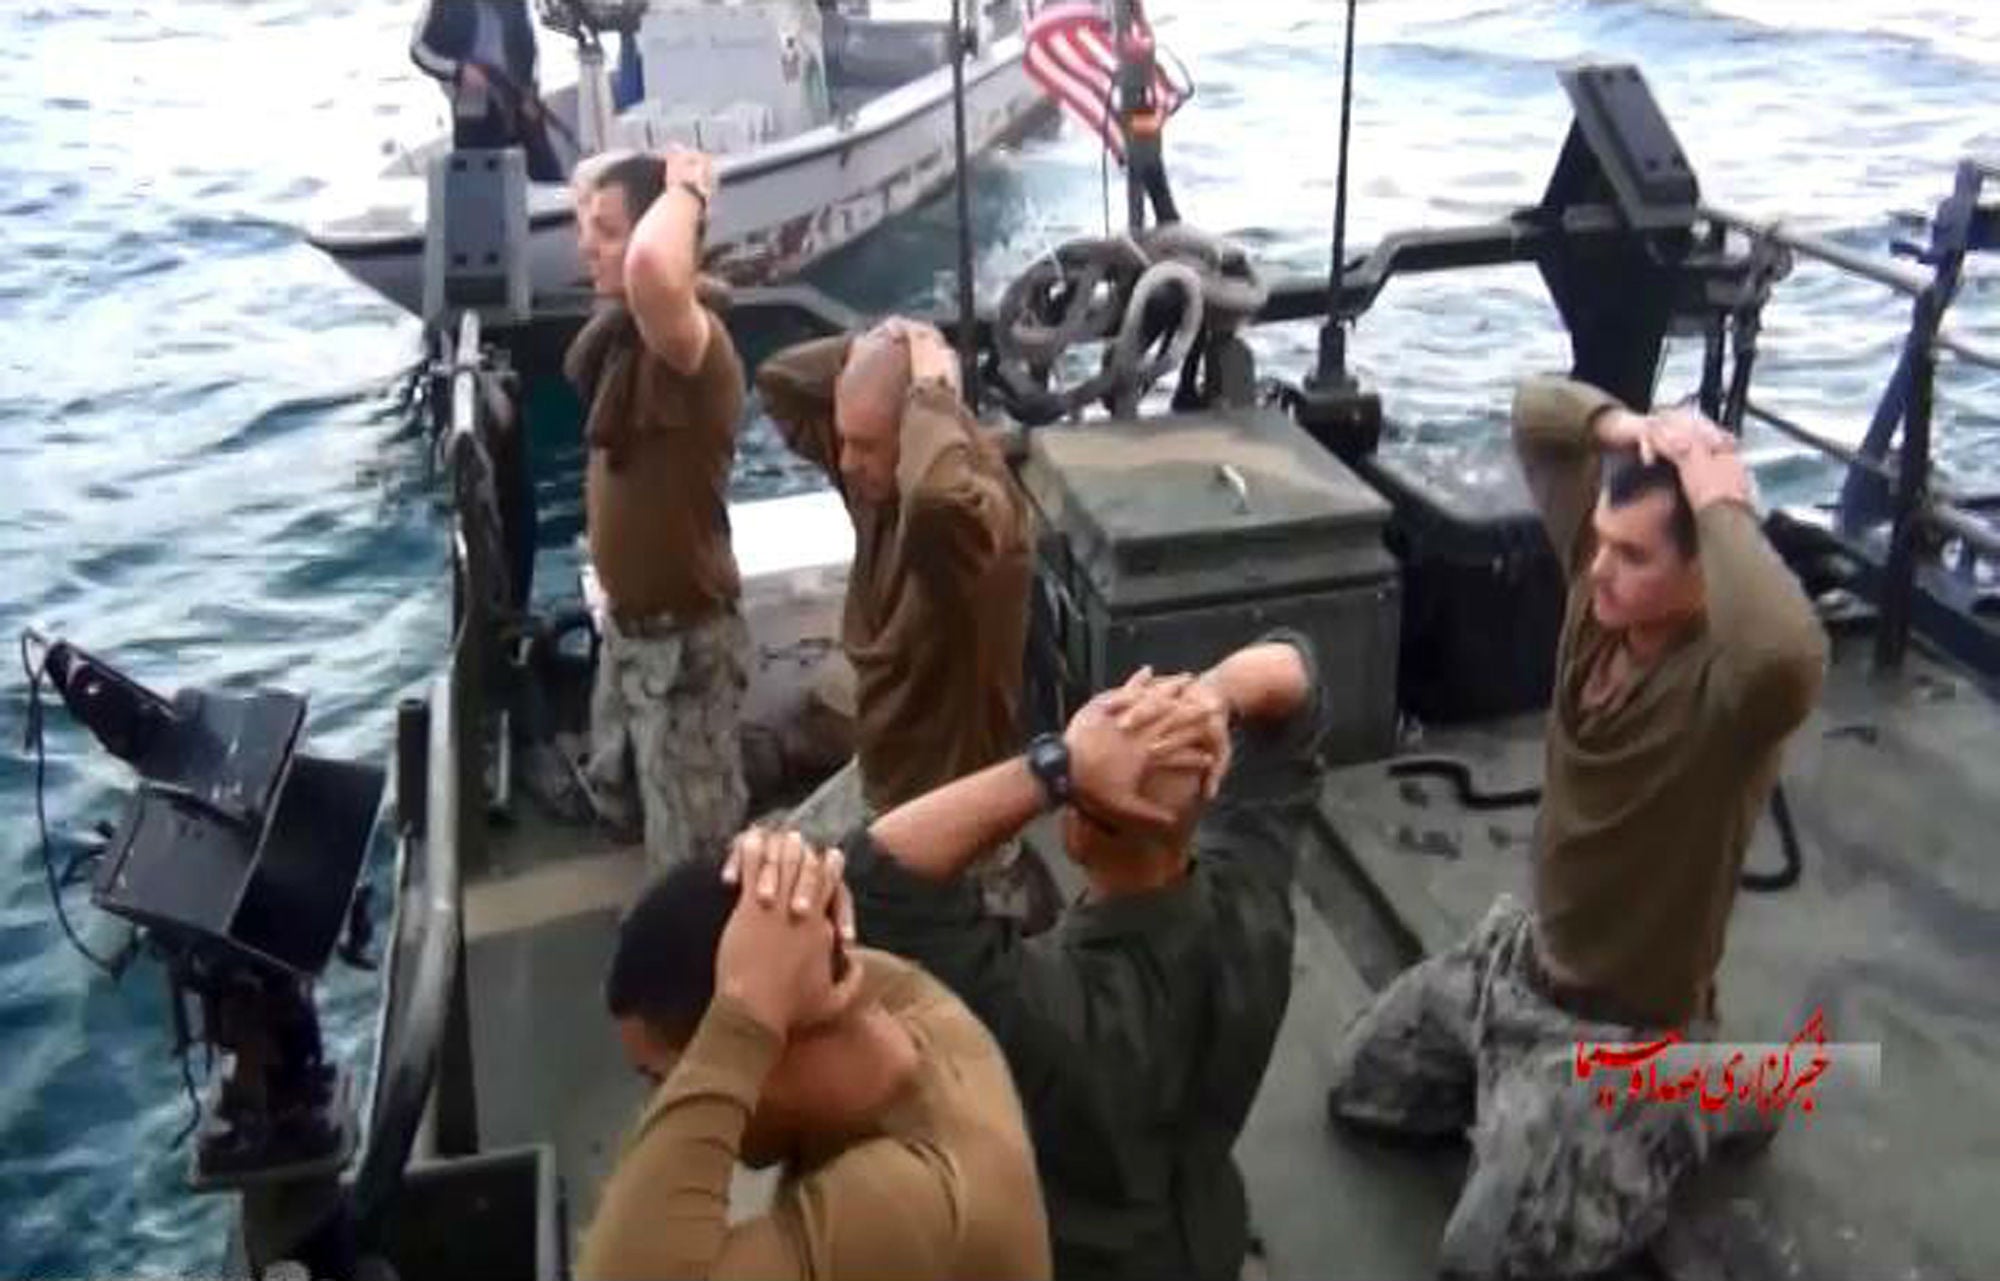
[(773, 539), (779, 207)]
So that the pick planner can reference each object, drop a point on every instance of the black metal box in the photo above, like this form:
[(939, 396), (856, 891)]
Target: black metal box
[(1174, 541), (1482, 592)]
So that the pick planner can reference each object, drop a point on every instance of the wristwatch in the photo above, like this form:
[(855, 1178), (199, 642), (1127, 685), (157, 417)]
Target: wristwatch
[(701, 204), (701, 197), (1048, 761)]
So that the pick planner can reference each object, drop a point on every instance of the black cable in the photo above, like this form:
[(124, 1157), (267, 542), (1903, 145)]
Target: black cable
[(1459, 775), (1788, 843), (35, 674), (115, 966), (194, 1095)]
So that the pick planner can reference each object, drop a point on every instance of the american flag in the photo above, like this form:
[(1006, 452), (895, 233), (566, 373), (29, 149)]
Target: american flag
[(1071, 55)]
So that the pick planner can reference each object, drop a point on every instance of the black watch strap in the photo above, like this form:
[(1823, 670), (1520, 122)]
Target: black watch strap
[(1048, 761)]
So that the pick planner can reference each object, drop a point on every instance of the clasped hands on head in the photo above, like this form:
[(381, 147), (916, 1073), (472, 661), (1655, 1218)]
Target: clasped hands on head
[(1707, 457), (1117, 741)]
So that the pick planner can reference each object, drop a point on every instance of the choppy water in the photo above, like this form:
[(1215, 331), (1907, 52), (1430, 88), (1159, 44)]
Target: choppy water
[(203, 470)]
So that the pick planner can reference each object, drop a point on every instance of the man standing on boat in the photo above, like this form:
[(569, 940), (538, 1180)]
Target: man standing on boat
[(1139, 1028), (665, 390), (483, 53), (935, 623), (1688, 655)]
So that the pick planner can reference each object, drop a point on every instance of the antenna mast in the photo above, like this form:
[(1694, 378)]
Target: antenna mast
[(1333, 335), (1332, 405), (967, 351)]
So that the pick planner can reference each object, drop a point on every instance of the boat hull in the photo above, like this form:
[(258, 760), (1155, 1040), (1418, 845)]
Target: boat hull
[(780, 208)]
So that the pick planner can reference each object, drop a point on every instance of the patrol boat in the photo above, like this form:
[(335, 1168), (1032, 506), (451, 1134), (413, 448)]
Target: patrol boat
[(825, 122), (1169, 534)]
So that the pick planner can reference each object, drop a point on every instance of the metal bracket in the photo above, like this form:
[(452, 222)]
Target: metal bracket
[(1627, 143), (476, 236)]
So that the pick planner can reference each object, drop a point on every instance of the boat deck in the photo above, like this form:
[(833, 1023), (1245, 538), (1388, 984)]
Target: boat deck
[(1890, 931)]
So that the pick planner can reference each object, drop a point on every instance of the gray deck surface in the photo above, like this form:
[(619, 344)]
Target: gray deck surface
[(1893, 931), (547, 1063)]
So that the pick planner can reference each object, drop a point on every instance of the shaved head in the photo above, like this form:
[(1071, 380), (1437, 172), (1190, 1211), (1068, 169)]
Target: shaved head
[(868, 402), (875, 379)]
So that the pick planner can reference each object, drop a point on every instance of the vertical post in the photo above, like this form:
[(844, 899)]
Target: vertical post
[(1736, 400), (1132, 90), (462, 850), (593, 98), (413, 734), (1862, 495), (1332, 367), (1892, 638), (967, 351), (1714, 340)]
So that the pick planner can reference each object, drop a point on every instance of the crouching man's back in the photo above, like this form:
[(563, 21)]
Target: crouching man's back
[(1140, 1026)]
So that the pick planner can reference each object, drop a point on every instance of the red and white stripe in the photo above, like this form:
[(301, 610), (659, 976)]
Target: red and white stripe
[(1071, 56)]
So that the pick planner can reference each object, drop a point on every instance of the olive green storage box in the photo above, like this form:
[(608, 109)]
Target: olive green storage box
[(1173, 541)]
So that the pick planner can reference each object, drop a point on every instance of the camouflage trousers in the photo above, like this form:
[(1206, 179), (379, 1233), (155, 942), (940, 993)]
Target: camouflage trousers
[(665, 735), (1558, 1185), (839, 806)]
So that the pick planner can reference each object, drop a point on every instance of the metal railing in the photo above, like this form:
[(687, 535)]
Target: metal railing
[(1917, 509), (423, 1101), (1917, 506), (478, 595), (1890, 275)]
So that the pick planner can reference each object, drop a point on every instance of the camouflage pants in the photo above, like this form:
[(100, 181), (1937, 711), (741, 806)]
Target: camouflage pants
[(665, 712), (1558, 1186), (839, 806)]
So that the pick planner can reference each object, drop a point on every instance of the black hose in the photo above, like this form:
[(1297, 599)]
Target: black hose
[(37, 673), (1788, 842), (1459, 775)]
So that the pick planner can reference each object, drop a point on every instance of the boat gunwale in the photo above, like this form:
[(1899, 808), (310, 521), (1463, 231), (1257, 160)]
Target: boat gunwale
[(784, 153)]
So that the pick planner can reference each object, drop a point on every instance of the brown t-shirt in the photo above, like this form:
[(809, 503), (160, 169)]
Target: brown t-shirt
[(657, 484), (1651, 799), (942, 1186), (936, 619)]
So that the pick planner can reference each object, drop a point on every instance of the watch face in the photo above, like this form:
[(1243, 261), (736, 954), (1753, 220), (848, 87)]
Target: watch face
[(1050, 760)]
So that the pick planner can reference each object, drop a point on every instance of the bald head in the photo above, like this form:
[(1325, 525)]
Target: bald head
[(868, 402), (875, 379)]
